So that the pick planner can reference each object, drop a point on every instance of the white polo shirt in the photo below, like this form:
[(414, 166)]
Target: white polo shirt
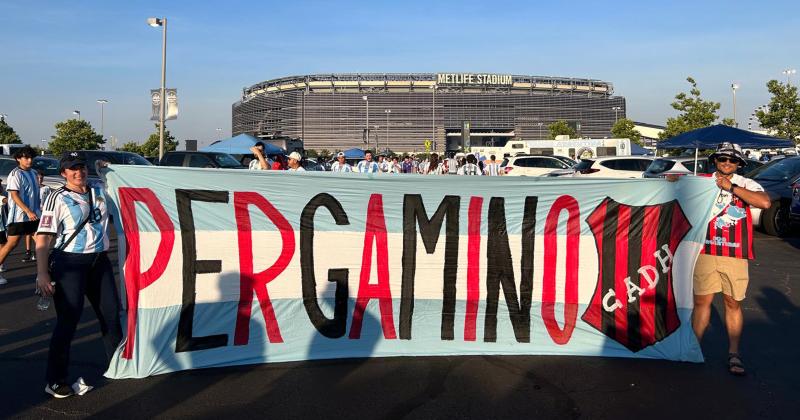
[(64, 210)]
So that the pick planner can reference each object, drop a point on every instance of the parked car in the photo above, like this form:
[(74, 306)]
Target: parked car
[(685, 164), (49, 167), (613, 167), (525, 165), (779, 179), (201, 160)]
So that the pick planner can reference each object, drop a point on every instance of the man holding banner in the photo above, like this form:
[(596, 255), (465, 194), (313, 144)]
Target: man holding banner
[(722, 264)]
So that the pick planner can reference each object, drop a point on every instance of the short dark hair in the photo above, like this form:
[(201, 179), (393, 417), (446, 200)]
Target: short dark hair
[(25, 151)]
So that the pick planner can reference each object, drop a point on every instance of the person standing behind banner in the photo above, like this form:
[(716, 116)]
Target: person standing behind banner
[(367, 166), (722, 263), (294, 162), (470, 168), (492, 167), (260, 163), (23, 207), (75, 216), (341, 164)]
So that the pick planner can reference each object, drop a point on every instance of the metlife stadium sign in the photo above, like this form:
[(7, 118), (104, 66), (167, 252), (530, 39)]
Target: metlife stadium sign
[(473, 79)]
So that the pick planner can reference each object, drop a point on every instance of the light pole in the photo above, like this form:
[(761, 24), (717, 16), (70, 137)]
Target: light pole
[(616, 112), (156, 22), (365, 98), (433, 116), (734, 86), (387, 111), (78, 113), (789, 73), (102, 117)]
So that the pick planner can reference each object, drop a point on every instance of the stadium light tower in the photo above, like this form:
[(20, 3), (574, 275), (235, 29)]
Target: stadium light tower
[(789, 73), (78, 113), (102, 117), (734, 86), (156, 22)]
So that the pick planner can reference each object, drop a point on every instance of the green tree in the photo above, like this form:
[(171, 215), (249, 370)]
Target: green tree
[(561, 128), (131, 146), (783, 112), (74, 135), (150, 146), (696, 112), (7, 133), (624, 129)]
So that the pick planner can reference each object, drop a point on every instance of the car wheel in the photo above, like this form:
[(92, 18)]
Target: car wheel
[(775, 219)]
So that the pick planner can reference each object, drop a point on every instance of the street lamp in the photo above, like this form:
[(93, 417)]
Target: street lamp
[(616, 112), (365, 98), (102, 117), (78, 113), (789, 73), (156, 22), (387, 111), (734, 86)]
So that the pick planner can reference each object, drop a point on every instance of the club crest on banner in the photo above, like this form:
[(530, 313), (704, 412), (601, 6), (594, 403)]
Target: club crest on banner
[(633, 302)]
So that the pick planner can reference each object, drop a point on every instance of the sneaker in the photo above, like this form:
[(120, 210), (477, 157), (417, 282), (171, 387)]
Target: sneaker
[(3, 280), (59, 390), (28, 257)]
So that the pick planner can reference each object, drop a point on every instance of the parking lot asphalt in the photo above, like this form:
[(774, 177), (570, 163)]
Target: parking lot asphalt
[(431, 387)]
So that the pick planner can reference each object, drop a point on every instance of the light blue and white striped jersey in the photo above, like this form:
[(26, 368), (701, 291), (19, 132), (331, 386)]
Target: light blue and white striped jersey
[(64, 210), (491, 168), (27, 186), (367, 167), (338, 167)]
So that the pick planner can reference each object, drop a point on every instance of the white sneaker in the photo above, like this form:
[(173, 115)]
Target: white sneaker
[(3, 280)]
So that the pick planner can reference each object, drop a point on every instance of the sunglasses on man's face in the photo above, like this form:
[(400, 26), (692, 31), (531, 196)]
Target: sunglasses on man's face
[(724, 159)]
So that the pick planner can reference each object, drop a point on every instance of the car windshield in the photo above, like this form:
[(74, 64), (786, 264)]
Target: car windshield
[(47, 166), (584, 164), (660, 165), (132, 159), (226, 161), (780, 170)]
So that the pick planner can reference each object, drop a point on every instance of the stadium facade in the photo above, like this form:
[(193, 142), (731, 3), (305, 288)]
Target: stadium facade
[(401, 111)]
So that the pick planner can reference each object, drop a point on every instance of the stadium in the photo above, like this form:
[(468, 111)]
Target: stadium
[(404, 111)]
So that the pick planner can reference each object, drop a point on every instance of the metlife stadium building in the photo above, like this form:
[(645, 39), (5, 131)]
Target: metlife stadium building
[(404, 111)]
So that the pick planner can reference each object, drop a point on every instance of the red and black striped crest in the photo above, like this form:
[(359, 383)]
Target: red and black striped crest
[(633, 302)]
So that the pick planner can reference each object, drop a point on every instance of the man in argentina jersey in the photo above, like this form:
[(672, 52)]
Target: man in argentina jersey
[(23, 202), (722, 263)]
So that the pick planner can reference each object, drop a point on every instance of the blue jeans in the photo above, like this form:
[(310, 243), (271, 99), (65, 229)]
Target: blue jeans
[(77, 275)]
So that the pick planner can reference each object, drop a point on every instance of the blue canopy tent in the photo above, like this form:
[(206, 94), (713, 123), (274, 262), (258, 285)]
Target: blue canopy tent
[(710, 137), (240, 145), (354, 153)]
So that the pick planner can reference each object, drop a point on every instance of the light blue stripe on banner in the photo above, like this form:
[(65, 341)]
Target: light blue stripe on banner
[(290, 192), (157, 328)]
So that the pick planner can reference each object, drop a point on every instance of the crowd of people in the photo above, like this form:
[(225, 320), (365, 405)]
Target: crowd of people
[(469, 164)]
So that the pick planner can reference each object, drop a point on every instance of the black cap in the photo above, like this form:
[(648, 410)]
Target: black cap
[(70, 159)]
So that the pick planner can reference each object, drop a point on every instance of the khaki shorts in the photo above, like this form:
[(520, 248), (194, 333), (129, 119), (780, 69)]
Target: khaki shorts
[(714, 274)]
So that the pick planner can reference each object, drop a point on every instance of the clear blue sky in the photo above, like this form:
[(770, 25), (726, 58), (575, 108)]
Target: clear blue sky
[(59, 56)]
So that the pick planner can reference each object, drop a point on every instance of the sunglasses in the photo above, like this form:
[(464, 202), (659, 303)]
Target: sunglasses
[(725, 159)]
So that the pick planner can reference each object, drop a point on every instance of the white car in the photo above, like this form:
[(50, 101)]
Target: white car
[(526, 165), (613, 167)]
